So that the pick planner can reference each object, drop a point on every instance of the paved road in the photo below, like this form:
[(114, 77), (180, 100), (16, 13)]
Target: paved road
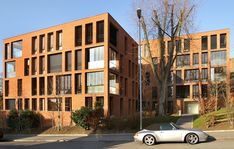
[(225, 144)]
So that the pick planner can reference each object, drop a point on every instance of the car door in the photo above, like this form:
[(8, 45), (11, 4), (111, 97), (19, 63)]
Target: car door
[(169, 133)]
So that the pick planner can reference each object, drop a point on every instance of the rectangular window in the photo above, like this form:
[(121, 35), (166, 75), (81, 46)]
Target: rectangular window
[(186, 60), (53, 104), (19, 87), (78, 36), (34, 86), (178, 76), (223, 40), (95, 57), (63, 84), (50, 86), (100, 31), (187, 75), (10, 104), (169, 47), (186, 45), (89, 102), (34, 66), (78, 83), (34, 104), (113, 59), (50, 42), (218, 58), (7, 51), (195, 91), (213, 41), (194, 75), (10, 69), (204, 43), (26, 66), (17, 49), (218, 74), (68, 61), (204, 90), (59, 41), (20, 104), (34, 45), (204, 74), (68, 104), (6, 88), (113, 84), (95, 82), (42, 65), (89, 33), (26, 104), (195, 59), (55, 63), (42, 104), (179, 61), (42, 43), (113, 35), (204, 58), (42, 86), (178, 46), (125, 86), (78, 60)]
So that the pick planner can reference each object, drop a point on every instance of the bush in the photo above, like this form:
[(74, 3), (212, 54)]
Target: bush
[(21, 120), (209, 120), (80, 117)]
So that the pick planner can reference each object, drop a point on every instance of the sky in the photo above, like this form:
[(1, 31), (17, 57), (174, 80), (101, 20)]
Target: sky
[(22, 16)]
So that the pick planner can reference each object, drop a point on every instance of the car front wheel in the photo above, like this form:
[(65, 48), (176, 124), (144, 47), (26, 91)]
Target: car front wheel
[(149, 140), (192, 138)]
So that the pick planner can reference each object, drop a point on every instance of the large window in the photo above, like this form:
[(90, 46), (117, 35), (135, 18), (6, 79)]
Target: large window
[(95, 82), (63, 84), (78, 36), (204, 58), (204, 43), (113, 84), (223, 40), (100, 31), (78, 83), (10, 104), (54, 103), (113, 35), (195, 59), (17, 49), (55, 63), (218, 58), (59, 41), (213, 41), (78, 60), (218, 74), (68, 61), (89, 33), (10, 69), (95, 57)]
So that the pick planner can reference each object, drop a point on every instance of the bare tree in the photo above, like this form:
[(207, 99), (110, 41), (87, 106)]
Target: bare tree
[(166, 19)]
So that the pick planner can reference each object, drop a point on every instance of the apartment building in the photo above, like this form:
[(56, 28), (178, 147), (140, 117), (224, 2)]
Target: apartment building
[(232, 78), (202, 58), (73, 65)]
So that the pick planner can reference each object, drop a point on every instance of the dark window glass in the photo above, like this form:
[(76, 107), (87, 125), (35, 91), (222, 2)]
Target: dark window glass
[(55, 63), (42, 104), (186, 75), (223, 40), (78, 60), (78, 83), (89, 102), (34, 66), (179, 60), (204, 58), (54, 104), (50, 83), (63, 84), (68, 61), (19, 85), (195, 59), (26, 104), (34, 45), (100, 31), (204, 91), (42, 43), (204, 74), (186, 44), (10, 104), (186, 60), (178, 76), (50, 42), (178, 46), (34, 86), (20, 104), (113, 35), (42, 65), (195, 91), (68, 104), (78, 36), (42, 86), (89, 33), (34, 104), (204, 43), (213, 41), (6, 88), (26, 67), (169, 47), (59, 42), (7, 51)]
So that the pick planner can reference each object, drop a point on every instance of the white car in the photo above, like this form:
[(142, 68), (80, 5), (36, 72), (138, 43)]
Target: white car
[(170, 132)]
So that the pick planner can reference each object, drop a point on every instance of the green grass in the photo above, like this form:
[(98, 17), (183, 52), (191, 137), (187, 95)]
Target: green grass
[(199, 121)]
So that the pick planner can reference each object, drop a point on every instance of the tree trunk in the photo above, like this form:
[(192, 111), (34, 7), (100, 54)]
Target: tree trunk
[(162, 99)]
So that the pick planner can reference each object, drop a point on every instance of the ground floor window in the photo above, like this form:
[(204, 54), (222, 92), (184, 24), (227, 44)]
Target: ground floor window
[(10, 104), (54, 103)]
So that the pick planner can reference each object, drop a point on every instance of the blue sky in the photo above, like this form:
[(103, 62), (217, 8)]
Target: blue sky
[(22, 16)]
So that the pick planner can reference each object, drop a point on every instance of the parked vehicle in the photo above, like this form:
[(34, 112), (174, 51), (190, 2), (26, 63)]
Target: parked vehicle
[(170, 132)]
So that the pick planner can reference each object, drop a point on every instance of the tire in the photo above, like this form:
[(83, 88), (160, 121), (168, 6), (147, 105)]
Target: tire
[(192, 138), (149, 140)]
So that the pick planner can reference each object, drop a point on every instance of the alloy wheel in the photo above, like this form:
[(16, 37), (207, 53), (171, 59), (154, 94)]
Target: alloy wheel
[(149, 140), (192, 139)]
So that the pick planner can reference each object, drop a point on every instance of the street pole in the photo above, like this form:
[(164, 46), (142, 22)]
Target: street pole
[(140, 71)]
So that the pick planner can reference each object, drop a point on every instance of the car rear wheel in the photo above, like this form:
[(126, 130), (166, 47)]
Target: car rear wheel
[(192, 138), (149, 140)]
